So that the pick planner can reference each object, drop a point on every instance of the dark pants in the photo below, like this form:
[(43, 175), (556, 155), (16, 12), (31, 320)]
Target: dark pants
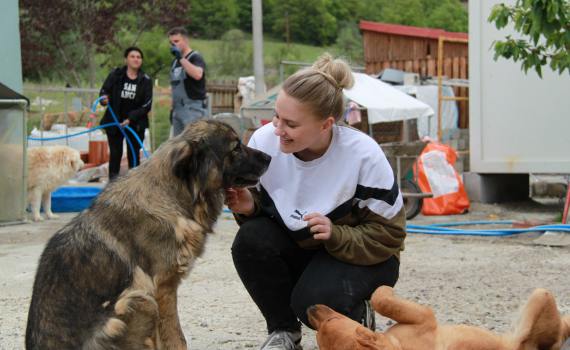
[(115, 139), (284, 279)]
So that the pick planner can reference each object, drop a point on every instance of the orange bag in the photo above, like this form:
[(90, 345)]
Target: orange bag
[(436, 174)]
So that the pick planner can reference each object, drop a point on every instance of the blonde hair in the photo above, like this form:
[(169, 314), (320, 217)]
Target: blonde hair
[(320, 86)]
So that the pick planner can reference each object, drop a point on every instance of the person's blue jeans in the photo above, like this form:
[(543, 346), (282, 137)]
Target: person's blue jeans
[(182, 115)]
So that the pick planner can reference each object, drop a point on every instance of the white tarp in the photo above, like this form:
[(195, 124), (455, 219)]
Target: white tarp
[(449, 110), (384, 102)]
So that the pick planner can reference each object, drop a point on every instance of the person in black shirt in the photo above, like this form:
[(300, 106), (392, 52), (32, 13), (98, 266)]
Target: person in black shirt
[(129, 92), (188, 81)]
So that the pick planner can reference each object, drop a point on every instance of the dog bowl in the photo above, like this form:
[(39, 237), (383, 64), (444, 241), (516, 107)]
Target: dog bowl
[(73, 199)]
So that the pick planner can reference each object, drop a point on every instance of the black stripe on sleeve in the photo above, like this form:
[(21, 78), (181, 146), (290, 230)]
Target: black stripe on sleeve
[(381, 194)]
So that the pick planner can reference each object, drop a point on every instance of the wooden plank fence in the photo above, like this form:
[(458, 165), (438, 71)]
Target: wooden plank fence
[(222, 94)]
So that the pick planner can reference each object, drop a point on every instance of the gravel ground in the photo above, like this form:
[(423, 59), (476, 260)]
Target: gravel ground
[(480, 281)]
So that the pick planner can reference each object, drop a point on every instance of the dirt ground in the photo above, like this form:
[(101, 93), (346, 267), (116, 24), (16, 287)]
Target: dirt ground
[(473, 280)]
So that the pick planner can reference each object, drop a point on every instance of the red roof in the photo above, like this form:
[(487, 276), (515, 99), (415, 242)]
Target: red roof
[(398, 29)]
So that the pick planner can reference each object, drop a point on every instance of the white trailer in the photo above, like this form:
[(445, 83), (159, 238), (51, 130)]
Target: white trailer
[(519, 123)]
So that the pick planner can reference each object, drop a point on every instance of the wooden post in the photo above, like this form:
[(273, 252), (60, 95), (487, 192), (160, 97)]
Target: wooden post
[(439, 85), (440, 97)]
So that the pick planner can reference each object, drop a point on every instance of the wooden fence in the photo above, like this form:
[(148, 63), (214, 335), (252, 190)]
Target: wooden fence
[(222, 95)]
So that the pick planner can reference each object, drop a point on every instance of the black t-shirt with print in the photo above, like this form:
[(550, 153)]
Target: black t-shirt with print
[(128, 93)]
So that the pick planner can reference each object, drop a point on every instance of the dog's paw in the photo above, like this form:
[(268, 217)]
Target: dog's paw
[(135, 301), (37, 218), (52, 216)]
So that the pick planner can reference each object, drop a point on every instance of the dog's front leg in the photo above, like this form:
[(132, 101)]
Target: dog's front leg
[(46, 203), (35, 199), (169, 325), (400, 310)]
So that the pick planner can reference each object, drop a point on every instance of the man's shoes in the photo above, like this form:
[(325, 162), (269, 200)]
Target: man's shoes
[(369, 319), (283, 340)]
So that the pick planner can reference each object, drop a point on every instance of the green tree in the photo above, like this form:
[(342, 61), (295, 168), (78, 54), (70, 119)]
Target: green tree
[(69, 35), (303, 21), (212, 18), (349, 43), (407, 12), (544, 28), (449, 15), (244, 14), (372, 10), (234, 57)]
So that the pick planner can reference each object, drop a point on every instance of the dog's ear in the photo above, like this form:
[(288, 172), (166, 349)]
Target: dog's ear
[(74, 160), (192, 164), (184, 162)]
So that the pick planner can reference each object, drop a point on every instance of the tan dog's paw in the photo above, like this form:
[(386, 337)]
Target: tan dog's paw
[(37, 218), (52, 216)]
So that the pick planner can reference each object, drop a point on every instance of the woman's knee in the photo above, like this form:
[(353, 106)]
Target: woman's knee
[(253, 239), (305, 296)]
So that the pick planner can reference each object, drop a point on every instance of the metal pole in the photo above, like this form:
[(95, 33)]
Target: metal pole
[(257, 26), (41, 118), (566, 203), (439, 86), (24, 198), (398, 172), (153, 119), (65, 116)]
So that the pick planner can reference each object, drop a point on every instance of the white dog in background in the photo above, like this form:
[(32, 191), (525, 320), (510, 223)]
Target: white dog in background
[(48, 168)]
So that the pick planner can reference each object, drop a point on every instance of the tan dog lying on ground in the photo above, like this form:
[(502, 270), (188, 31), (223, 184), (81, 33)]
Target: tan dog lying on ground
[(540, 328), (48, 168)]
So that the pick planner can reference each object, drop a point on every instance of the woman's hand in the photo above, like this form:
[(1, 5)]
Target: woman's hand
[(125, 123), (240, 201), (104, 100), (320, 226)]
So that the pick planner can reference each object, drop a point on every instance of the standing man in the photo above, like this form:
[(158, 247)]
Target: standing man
[(188, 81)]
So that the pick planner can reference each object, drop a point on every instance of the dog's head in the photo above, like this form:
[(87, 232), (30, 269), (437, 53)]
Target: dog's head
[(338, 332), (209, 155), (75, 161), (69, 158)]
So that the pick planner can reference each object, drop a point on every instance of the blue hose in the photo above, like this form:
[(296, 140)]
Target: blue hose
[(72, 135), (441, 229), (115, 123), (94, 108)]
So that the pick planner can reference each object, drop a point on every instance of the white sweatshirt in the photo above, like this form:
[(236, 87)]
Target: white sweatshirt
[(353, 171)]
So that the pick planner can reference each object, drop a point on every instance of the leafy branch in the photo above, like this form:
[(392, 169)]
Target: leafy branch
[(545, 29)]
